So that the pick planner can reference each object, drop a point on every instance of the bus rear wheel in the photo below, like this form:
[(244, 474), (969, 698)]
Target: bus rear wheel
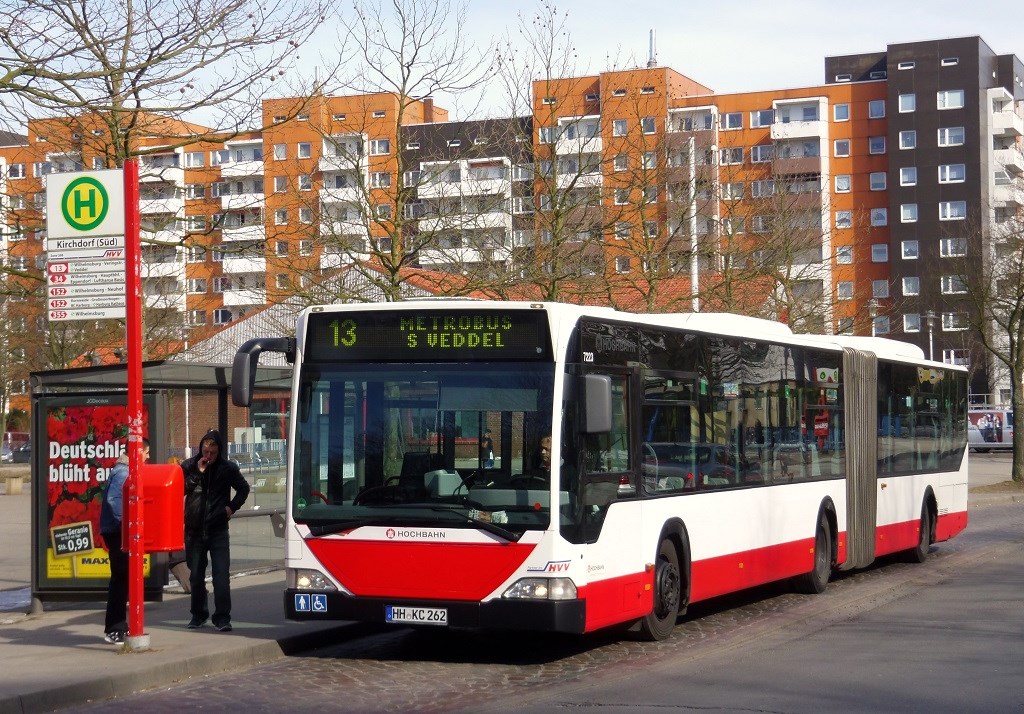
[(815, 581), (668, 591), (919, 553)]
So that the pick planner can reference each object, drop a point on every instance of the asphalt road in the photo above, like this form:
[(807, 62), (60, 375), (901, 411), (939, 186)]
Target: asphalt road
[(947, 635)]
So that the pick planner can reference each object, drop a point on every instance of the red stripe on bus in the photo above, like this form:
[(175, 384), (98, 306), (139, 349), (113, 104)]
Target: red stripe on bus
[(903, 536), (445, 571)]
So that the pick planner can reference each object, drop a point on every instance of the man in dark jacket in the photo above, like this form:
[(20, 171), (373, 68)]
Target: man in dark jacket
[(209, 480)]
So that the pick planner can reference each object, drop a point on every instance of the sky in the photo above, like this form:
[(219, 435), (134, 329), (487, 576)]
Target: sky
[(747, 45)]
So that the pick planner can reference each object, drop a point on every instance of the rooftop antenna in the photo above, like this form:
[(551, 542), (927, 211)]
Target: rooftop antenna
[(652, 59)]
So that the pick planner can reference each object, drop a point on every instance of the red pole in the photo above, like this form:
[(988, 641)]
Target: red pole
[(133, 328)]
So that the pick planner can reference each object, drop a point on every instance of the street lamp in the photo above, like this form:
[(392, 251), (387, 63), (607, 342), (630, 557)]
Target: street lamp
[(873, 312), (930, 319)]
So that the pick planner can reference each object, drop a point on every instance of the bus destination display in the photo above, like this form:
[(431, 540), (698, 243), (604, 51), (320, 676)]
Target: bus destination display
[(445, 335)]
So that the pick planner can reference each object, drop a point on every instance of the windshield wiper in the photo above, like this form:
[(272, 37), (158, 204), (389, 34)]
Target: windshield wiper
[(488, 526)]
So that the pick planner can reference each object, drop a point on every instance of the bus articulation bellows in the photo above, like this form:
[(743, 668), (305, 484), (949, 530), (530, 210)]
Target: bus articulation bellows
[(688, 456)]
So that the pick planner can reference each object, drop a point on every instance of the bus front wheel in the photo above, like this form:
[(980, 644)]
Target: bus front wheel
[(657, 624)]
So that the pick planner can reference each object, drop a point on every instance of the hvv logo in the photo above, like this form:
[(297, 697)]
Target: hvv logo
[(552, 566)]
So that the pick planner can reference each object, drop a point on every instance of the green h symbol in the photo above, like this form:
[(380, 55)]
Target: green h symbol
[(83, 203)]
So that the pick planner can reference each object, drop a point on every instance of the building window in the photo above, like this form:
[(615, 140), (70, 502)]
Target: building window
[(647, 90), (950, 99), (305, 214), (844, 290), (953, 285), (910, 249), (731, 156), (281, 248), (951, 136), (841, 112), (952, 173), (732, 120), (621, 196), (761, 117), (762, 153), (949, 61), (281, 217), (221, 316), (651, 229), (619, 92), (876, 145), (650, 160), (197, 285), (908, 176), (647, 125), (908, 139), (954, 321), (280, 184), (732, 191), (379, 114), (876, 180), (619, 127), (196, 318), (905, 65), (380, 147), (305, 150), (844, 254), (195, 159), (876, 109), (623, 231), (622, 264), (880, 325), (382, 211), (281, 281), (952, 210), (911, 286), (879, 288), (620, 162), (842, 147), (762, 189), (412, 145), (195, 190), (221, 284), (907, 103), (912, 322), (953, 247), (844, 219), (16, 171), (305, 182), (380, 179), (845, 326), (546, 134), (908, 213), (963, 357), (455, 143), (880, 253), (843, 183)]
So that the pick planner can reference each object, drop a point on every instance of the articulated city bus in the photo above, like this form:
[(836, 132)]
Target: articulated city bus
[(562, 468)]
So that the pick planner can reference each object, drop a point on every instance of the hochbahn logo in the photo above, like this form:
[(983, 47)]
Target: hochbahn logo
[(85, 203)]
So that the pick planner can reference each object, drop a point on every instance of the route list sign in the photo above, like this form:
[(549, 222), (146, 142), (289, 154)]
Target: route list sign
[(85, 245)]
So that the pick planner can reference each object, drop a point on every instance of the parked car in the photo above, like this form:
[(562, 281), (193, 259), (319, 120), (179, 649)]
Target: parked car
[(989, 428), (6, 455), (22, 454)]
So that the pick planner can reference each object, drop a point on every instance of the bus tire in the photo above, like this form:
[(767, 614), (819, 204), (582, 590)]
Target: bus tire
[(668, 588), (815, 581), (919, 554)]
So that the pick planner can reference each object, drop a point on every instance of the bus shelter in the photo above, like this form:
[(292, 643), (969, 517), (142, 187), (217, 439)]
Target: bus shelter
[(79, 429)]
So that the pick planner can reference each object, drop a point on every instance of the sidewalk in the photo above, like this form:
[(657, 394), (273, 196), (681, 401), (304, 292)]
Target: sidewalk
[(58, 658)]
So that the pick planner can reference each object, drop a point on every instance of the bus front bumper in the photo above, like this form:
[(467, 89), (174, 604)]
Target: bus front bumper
[(538, 615)]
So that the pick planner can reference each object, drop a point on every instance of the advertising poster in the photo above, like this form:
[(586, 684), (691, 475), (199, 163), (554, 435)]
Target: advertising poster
[(83, 440)]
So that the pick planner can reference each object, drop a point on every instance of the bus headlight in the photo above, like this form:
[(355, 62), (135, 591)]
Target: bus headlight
[(541, 589), (305, 579)]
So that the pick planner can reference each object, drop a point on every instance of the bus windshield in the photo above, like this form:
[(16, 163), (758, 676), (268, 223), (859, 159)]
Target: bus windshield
[(453, 445)]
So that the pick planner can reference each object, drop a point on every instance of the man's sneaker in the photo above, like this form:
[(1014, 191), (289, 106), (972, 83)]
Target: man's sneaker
[(195, 623), (226, 627), (114, 638)]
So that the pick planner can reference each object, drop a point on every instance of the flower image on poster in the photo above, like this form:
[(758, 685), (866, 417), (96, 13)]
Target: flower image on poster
[(83, 444)]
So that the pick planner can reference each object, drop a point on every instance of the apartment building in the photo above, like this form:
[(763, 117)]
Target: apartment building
[(852, 194)]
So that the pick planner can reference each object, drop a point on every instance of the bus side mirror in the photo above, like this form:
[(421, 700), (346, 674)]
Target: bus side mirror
[(597, 403), (243, 368)]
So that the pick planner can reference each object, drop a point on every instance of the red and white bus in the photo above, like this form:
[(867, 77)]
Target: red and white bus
[(691, 455)]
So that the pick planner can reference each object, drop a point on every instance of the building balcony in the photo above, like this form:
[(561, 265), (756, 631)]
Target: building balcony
[(797, 165), (167, 235), (351, 196), (241, 201), (1008, 195), (162, 174), (149, 206), (241, 169), (440, 189), (244, 233), (486, 187), (564, 182), (239, 298), (238, 266), (343, 227), (461, 256), (466, 222), (782, 131), (582, 145), (164, 269), (1007, 123), (334, 164), (1010, 159), (166, 301)]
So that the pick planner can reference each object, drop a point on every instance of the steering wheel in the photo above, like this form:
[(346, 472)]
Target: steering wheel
[(527, 480), (319, 495)]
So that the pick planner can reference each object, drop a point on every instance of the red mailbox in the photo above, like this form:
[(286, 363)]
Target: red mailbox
[(163, 504)]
